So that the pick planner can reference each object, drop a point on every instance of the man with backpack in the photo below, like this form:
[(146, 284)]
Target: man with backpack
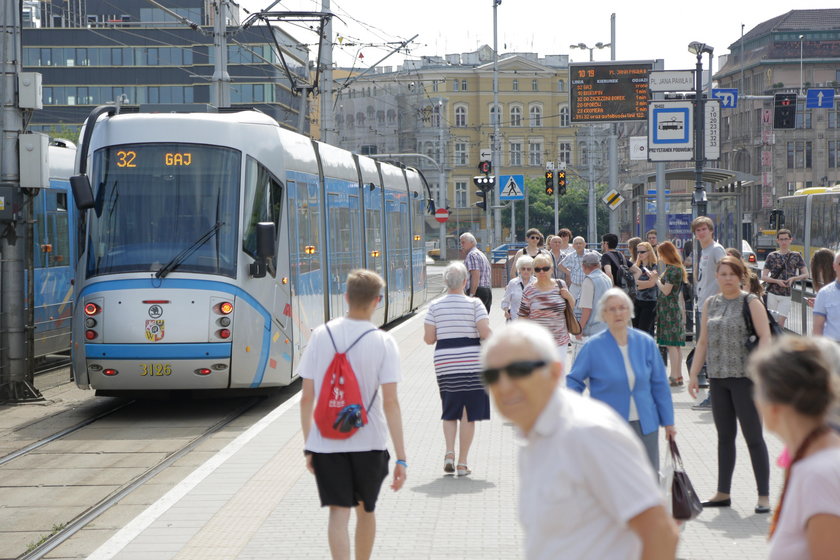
[(616, 266), (351, 370)]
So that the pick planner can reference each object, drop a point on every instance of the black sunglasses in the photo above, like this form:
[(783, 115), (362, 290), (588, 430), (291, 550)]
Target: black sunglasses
[(642, 252), (542, 268), (515, 370)]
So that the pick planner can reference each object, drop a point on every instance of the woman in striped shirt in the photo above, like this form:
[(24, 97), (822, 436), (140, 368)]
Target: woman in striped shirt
[(545, 302), (456, 323)]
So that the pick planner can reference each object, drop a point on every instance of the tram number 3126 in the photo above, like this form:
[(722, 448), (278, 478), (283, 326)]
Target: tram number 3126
[(155, 369)]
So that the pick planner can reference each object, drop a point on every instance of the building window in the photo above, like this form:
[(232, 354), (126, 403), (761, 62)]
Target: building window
[(494, 118), (799, 155), (564, 152), (564, 115), (460, 116), (515, 85), (380, 117), (515, 154), (561, 85), (392, 116), (434, 85), (535, 85), (368, 150), (803, 116), (461, 154), (460, 194), (350, 121), (516, 116), (536, 116), (535, 153), (436, 116), (833, 153), (360, 119), (463, 85), (455, 85)]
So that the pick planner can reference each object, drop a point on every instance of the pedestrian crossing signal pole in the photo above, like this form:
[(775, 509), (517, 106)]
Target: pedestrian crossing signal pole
[(483, 182)]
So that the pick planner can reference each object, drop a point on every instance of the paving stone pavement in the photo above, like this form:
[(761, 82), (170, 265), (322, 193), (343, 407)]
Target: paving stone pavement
[(261, 503)]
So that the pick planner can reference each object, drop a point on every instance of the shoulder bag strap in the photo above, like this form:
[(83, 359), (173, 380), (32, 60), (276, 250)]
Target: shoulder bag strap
[(745, 311)]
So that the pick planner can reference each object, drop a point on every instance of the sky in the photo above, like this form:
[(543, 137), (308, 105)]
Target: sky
[(645, 30)]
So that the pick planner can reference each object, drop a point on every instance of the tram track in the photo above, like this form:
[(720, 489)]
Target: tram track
[(58, 485)]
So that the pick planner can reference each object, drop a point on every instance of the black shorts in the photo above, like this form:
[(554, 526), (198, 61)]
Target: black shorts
[(345, 479)]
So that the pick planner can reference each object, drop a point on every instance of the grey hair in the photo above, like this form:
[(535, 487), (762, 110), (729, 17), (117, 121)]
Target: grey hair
[(611, 293), (455, 275), (523, 331), (578, 237), (523, 261), (469, 237)]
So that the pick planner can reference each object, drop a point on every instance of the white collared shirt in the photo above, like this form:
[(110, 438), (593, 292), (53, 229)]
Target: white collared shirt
[(583, 475)]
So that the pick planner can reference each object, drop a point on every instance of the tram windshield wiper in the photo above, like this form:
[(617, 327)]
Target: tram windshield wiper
[(184, 255)]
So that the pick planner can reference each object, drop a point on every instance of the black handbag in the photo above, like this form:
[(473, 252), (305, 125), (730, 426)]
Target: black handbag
[(685, 505), (752, 337)]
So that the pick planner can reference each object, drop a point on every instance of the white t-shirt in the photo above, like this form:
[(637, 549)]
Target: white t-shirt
[(576, 505), (814, 488), (375, 360), (631, 381)]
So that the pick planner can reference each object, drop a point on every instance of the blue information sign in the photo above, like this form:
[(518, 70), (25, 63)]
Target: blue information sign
[(820, 99), (728, 97), (511, 187)]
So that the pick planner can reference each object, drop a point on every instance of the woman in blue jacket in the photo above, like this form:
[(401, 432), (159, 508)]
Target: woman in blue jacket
[(625, 370)]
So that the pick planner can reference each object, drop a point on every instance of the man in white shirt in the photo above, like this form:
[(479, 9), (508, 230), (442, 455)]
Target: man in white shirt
[(349, 472), (587, 489)]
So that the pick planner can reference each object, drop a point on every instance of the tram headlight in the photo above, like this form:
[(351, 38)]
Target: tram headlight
[(92, 309), (224, 321), (90, 322), (90, 335), (225, 308), (224, 333)]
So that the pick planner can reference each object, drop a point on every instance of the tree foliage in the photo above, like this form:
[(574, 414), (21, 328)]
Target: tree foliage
[(572, 209)]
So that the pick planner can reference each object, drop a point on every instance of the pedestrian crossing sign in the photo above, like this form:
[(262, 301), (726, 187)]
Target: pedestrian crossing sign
[(512, 187)]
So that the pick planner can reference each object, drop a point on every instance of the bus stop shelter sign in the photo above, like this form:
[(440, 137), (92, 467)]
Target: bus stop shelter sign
[(609, 91)]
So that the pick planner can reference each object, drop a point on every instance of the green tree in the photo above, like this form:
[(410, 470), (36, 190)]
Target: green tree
[(65, 132), (573, 210)]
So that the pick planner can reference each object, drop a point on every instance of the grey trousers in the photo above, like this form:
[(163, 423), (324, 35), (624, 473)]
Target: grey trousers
[(651, 443)]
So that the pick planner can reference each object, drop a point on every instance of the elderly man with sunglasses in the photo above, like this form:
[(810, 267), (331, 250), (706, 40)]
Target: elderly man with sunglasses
[(587, 489)]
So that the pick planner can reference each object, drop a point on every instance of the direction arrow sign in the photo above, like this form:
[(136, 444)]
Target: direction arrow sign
[(670, 130), (512, 187), (728, 97), (485, 154), (820, 99)]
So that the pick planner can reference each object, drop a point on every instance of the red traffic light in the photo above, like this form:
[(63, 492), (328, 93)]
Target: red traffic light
[(485, 167)]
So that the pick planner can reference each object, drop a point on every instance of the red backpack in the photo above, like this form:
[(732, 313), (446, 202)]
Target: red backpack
[(340, 411)]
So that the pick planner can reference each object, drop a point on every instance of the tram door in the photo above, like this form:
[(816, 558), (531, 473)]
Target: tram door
[(306, 256)]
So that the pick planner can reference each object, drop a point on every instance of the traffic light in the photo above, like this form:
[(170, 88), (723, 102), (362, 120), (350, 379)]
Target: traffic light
[(482, 202), (484, 182), (485, 167), (784, 110), (561, 182), (549, 182)]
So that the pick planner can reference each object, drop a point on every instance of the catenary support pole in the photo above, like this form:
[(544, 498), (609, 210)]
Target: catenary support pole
[(326, 83)]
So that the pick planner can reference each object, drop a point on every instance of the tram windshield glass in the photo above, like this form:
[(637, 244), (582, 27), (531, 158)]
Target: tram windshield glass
[(159, 204)]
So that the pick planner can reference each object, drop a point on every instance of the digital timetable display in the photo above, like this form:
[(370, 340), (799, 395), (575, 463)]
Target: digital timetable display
[(609, 91)]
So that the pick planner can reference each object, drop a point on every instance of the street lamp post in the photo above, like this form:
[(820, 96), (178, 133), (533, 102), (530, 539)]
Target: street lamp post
[(598, 45), (699, 200), (800, 63)]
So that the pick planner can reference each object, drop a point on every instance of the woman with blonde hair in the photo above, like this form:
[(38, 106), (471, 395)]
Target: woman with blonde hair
[(545, 302), (670, 321), (644, 304)]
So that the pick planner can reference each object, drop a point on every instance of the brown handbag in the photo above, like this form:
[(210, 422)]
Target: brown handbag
[(572, 324)]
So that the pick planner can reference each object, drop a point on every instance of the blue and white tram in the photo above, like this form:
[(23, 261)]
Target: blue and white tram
[(214, 244), (54, 250)]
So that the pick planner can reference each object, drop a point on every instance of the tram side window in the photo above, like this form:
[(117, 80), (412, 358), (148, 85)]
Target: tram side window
[(58, 232), (263, 203)]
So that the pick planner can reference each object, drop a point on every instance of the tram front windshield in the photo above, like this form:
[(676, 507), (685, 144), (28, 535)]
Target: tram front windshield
[(156, 203)]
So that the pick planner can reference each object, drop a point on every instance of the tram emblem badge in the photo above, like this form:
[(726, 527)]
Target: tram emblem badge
[(155, 311), (154, 330)]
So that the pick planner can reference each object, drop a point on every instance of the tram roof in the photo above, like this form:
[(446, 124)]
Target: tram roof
[(709, 175)]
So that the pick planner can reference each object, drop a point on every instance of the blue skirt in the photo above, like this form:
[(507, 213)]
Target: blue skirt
[(457, 368)]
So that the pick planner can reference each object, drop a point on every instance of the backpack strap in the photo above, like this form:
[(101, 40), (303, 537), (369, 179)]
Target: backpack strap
[(361, 336)]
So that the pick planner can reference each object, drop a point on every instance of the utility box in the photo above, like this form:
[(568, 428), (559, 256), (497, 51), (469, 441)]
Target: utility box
[(30, 94), (9, 203), (34, 162)]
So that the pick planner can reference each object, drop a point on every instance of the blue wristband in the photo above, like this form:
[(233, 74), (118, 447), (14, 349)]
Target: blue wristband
[(401, 462)]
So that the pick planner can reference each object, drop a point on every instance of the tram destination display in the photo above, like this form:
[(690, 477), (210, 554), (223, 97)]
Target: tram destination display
[(603, 92)]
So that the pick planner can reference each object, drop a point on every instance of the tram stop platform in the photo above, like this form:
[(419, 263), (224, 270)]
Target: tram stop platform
[(255, 499)]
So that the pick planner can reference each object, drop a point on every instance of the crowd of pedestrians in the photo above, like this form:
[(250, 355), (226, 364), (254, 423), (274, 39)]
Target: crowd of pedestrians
[(602, 500)]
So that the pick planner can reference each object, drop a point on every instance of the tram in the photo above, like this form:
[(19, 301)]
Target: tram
[(53, 255), (211, 245), (813, 217)]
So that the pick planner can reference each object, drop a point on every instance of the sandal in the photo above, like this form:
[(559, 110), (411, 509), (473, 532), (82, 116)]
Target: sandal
[(449, 462), (463, 469), (678, 382)]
